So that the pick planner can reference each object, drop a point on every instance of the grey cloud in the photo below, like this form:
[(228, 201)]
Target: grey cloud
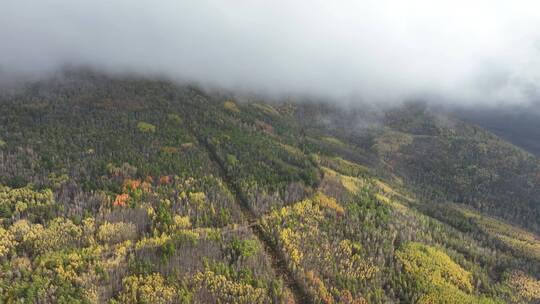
[(380, 51)]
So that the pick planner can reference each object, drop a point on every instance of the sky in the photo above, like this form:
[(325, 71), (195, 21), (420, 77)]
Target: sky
[(463, 52)]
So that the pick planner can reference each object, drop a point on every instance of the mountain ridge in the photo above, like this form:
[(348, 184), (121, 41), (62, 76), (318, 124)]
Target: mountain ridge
[(172, 194)]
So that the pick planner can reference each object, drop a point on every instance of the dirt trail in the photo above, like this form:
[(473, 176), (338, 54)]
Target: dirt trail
[(277, 259)]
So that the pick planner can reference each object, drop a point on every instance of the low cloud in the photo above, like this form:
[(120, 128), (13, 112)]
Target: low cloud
[(479, 52)]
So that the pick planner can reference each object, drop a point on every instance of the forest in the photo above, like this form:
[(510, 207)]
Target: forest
[(128, 190)]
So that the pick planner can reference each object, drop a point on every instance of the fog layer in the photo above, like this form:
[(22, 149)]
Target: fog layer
[(467, 52)]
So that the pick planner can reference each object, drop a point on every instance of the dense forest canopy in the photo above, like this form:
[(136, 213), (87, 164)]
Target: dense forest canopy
[(128, 190)]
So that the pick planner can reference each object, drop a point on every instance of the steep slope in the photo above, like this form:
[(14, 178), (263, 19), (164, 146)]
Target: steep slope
[(135, 191), (471, 166), (516, 124), (445, 159)]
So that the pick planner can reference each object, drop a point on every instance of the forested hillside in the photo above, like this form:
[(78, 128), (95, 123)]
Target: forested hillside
[(516, 124), (443, 158), (125, 190)]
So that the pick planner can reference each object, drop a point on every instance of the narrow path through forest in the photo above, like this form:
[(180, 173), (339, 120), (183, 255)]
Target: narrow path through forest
[(277, 259)]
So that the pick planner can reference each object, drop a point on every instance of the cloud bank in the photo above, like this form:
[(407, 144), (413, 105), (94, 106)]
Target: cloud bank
[(381, 51)]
